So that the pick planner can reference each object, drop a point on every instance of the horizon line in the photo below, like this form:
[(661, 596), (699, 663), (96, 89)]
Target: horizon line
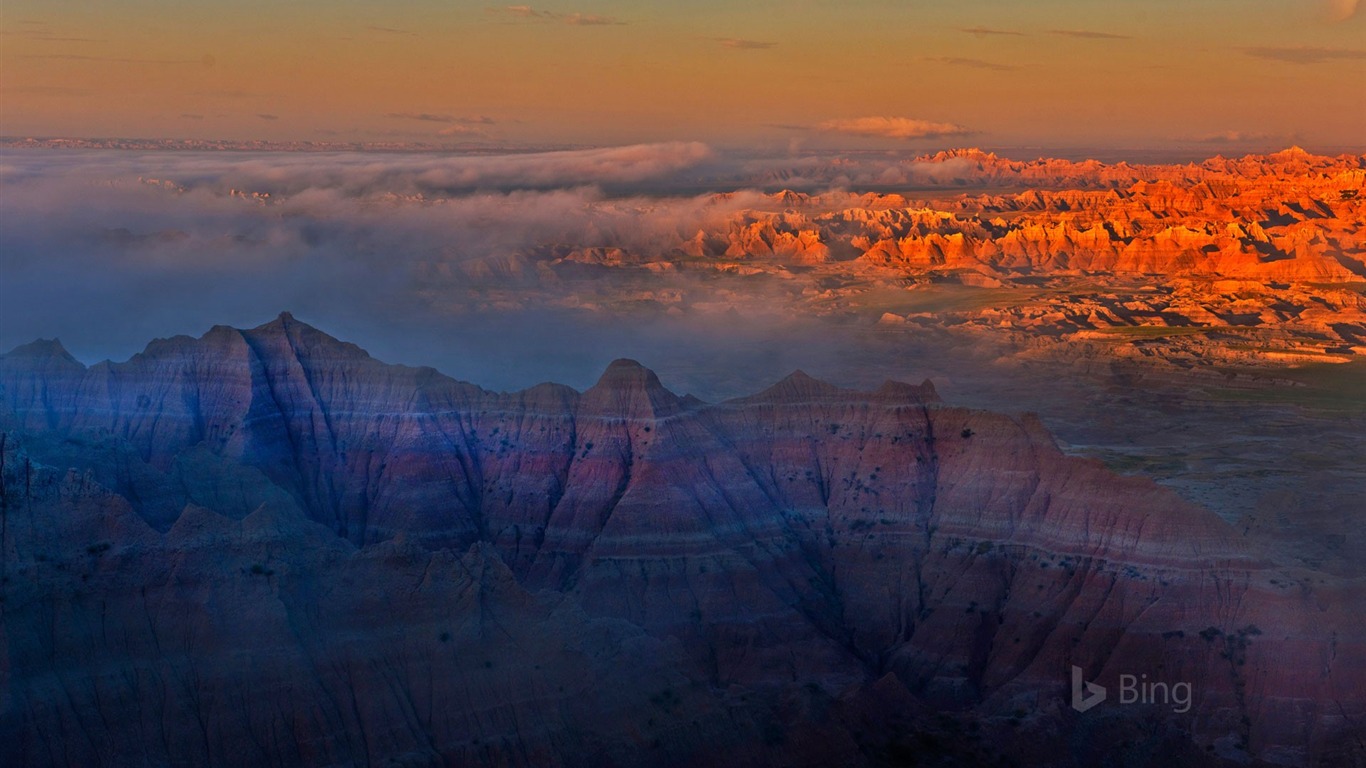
[(55, 142)]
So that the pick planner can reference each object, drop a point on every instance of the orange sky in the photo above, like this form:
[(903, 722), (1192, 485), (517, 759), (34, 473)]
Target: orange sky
[(1053, 73)]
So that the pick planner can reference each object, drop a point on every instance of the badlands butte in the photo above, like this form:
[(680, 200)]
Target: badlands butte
[(265, 547), (1247, 261)]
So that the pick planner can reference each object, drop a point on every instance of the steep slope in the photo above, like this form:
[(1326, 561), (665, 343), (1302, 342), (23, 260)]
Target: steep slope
[(266, 545)]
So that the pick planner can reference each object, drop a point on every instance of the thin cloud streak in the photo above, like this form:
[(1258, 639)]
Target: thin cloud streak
[(437, 117), (460, 130), (744, 45), (1087, 34), (45, 90), (1305, 55), (893, 127), (45, 38), (955, 61), (589, 20), (575, 19), (392, 31), (1240, 137), (473, 127), (41, 31), (987, 31), (109, 59), (426, 117)]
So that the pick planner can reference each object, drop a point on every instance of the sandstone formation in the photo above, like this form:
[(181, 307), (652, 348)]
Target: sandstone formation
[(266, 547), (1256, 261)]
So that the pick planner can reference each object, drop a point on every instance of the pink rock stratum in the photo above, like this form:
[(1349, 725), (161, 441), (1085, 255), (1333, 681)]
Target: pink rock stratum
[(264, 547)]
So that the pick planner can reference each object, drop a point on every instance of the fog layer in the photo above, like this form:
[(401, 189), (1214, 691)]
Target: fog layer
[(418, 258)]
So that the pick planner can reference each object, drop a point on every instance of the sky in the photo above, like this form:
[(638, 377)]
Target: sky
[(771, 73)]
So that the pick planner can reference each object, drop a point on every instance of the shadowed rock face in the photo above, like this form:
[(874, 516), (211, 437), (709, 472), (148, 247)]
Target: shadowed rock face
[(266, 547)]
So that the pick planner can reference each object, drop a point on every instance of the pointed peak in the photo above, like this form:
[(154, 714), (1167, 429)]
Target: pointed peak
[(692, 401), (790, 197), (281, 321), (288, 323), (901, 391), (927, 387), (629, 389), (287, 329), (802, 378), (1292, 152), (626, 373), (43, 349), (797, 387)]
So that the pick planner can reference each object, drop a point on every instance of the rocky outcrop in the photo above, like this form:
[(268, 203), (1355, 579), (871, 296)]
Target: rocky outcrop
[(1272, 222), (1129, 261), (265, 546)]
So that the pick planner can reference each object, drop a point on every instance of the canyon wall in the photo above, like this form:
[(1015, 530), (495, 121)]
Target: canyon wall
[(265, 546)]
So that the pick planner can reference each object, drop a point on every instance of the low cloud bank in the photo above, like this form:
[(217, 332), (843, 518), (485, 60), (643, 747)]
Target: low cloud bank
[(433, 259), (358, 174), (108, 250)]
